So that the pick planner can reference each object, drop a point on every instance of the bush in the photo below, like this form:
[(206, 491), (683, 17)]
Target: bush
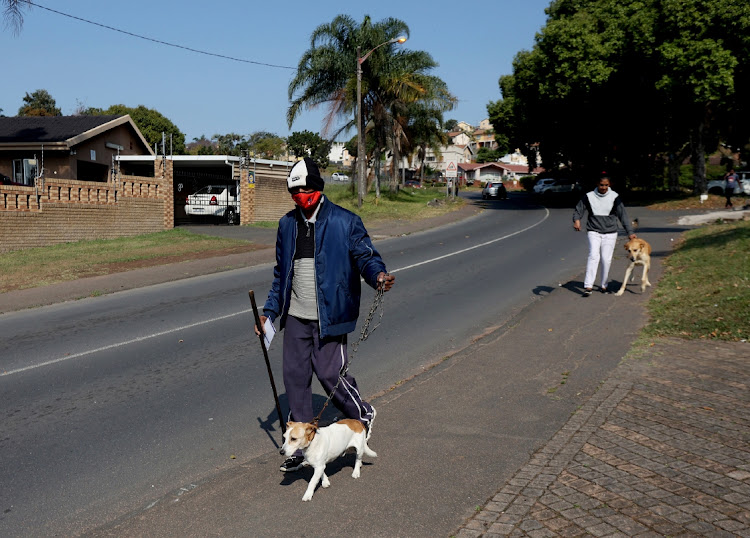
[(528, 182)]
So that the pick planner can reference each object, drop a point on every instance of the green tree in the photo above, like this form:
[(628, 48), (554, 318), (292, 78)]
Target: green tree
[(501, 113), (450, 125), (266, 145), (487, 155), (309, 144), (391, 79), (410, 93), (39, 103), (425, 130), (229, 144), (151, 123), (623, 85), (200, 146)]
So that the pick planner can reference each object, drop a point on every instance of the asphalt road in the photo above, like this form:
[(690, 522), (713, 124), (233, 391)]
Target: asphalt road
[(114, 403)]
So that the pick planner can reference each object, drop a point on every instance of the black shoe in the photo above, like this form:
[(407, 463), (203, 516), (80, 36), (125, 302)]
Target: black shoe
[(604, 290), (587, 292), (292, 464)]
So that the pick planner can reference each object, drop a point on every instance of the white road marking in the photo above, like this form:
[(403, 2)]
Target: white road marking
[(474, 247), (242, 312), (120, 344)]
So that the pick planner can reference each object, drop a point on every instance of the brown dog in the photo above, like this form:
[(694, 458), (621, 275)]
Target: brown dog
[(639, 252)]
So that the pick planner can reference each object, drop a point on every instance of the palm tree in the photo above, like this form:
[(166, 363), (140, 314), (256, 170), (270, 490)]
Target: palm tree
[(13, 14), (426, 131), (391, 79), (414, 99)]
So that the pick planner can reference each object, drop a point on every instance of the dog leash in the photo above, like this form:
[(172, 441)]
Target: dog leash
[(377, 304)]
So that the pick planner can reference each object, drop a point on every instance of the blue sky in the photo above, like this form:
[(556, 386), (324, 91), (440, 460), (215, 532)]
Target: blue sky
[(80, 63)]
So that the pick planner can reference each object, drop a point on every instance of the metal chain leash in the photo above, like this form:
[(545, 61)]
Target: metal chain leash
[(364, 335)]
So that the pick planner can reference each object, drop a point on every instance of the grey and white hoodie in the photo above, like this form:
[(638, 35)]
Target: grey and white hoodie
[(603, 212)]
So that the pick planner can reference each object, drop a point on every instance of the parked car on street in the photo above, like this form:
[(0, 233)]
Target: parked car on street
[(560, 186), (338, 176), (495, 189), (413, 183), (544, 182), (221, 201), (717, 186)]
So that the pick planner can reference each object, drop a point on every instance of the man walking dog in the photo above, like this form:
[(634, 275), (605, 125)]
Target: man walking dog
[(322, 250)]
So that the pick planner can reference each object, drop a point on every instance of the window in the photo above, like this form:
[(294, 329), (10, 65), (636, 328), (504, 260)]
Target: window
[(24, 171)]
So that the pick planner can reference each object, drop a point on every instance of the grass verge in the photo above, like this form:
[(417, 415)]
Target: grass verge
[(407, 204), (705, 289), (60, 263), (688, 201), (42, 266)]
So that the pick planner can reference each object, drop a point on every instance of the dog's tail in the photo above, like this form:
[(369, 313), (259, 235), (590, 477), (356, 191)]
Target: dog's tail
[(370, 452)]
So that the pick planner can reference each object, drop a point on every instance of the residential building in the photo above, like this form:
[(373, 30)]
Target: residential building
[(484, 138), (457, 153), (515, 158), (339, 155), (74, 147), (481, 172)]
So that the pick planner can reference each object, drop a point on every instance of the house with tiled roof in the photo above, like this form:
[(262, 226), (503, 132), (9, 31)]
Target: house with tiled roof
[(481, 172), (494, 171), (516, 171), (459, 150), (73, 147)]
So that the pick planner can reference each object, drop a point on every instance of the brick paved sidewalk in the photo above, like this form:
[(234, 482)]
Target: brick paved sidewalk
[(662, 449)]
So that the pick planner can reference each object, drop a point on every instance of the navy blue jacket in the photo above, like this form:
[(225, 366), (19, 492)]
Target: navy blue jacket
[(343, 252)]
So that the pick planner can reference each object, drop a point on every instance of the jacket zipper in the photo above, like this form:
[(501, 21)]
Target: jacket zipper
[(315, 268)]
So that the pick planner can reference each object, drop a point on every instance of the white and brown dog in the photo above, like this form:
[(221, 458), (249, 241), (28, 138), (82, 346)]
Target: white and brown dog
[(639, 253), (323, 445)]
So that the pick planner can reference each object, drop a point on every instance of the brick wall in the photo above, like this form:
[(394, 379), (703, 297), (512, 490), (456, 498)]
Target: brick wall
[(63, 210), (268, 198)]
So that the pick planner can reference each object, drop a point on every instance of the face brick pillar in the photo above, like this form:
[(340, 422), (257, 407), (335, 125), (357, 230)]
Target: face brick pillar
[(164, 175), (247, 196)]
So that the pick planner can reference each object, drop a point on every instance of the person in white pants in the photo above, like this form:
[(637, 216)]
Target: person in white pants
[(604, 209)]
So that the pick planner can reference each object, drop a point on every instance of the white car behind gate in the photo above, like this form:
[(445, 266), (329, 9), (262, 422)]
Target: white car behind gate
[(222, 201)]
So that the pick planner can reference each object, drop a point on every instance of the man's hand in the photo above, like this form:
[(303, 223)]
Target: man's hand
[(577, 225), (385, 281), (262, 323), (632, 236)]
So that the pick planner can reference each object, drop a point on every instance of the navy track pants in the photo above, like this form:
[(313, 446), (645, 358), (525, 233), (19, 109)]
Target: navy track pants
[(305, 353)]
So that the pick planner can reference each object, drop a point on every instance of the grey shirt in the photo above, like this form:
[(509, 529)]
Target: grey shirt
[(603, 212), (303, 303)]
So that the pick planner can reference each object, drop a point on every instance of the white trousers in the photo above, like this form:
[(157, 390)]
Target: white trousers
[(601, 249)]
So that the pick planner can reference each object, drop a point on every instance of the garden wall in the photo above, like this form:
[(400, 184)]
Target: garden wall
[(64, 210)]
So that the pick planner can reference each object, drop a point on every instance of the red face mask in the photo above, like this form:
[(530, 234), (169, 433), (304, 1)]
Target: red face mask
[(307, 200)]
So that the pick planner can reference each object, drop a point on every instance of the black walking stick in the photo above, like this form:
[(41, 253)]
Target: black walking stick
[(268, 363)]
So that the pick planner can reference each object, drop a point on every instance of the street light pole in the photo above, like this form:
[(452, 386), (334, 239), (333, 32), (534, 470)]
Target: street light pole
[(361, 150)]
